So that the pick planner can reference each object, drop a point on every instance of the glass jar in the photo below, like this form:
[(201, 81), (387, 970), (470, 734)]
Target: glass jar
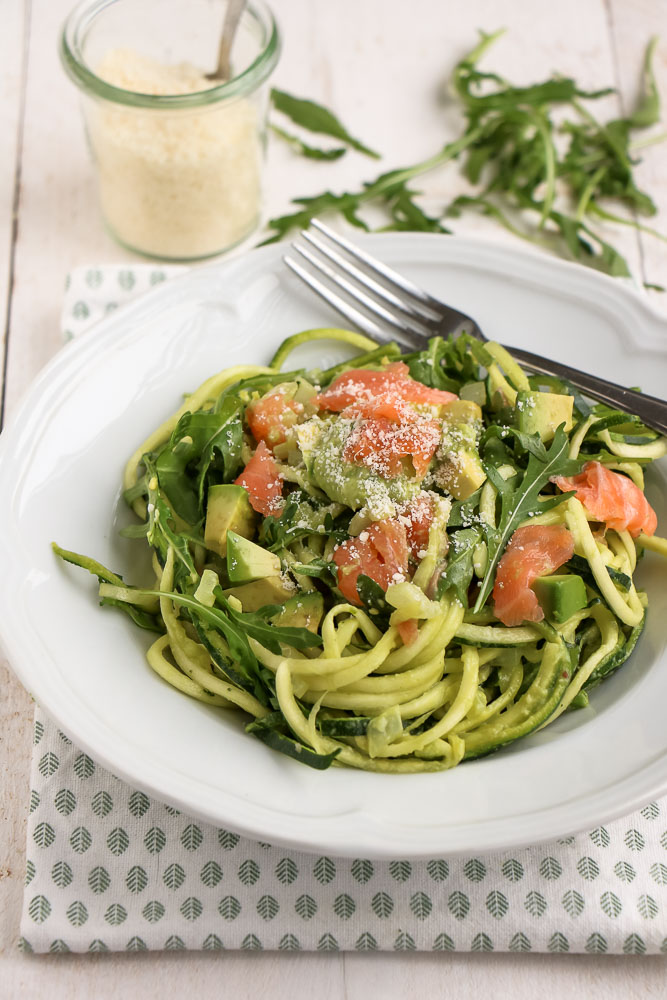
[(178, 157)]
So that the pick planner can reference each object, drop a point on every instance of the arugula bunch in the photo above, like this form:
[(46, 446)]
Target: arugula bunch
[(205, 442), (517, 159), (511, 154)]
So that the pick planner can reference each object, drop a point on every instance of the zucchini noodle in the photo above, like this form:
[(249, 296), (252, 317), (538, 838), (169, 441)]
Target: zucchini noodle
[(629, 608), (345, 595), (577, 438), (656, 449)]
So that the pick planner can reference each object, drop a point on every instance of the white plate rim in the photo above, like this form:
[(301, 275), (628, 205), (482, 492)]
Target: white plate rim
[(251, 820)]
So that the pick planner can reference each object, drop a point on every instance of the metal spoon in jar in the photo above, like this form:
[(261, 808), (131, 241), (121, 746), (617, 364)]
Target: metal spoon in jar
[(230, 24)]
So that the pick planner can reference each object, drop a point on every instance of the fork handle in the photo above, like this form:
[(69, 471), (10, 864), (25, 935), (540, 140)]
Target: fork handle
[(651, 410)]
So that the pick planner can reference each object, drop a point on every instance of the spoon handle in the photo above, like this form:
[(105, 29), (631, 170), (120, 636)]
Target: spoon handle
[(230, 24)]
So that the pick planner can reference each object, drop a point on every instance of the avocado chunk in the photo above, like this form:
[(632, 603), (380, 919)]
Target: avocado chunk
[(255, 595), (354, 485), (301, 611), (560, 596), (499, 391), (459, 470), (463, 412), (461, 473), (308, 435), (542, 413), (475, 392), (247, 561), (228, 509)]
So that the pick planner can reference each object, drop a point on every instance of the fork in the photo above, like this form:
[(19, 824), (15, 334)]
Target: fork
[(374, 297)]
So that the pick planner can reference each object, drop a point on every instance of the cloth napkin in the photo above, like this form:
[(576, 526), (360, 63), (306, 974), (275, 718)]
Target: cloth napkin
[(109, 869)]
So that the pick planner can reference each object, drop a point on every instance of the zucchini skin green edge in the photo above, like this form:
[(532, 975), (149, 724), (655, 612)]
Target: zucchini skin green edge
[(617, 658), (555, 686)]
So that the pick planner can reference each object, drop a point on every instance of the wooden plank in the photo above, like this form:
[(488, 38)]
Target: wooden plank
[(632, 23), (12, 67), (15, 707), (521, 977), (60, 224)]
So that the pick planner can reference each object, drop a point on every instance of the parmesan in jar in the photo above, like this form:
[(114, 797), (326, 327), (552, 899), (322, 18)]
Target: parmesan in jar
[(174, 182)]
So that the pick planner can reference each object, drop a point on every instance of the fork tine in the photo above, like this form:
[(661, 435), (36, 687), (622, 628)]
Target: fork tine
[(403, 324), (331, 298), (417, 311), (395, 281)]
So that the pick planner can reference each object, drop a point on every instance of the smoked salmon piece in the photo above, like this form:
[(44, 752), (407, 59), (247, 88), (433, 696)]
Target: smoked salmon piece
[(532, 551), (380, 552), (417, 518), (387, 426), (263, 483), (611, 497), (393, 382), (408, 631), (380, 444), (270, 417)]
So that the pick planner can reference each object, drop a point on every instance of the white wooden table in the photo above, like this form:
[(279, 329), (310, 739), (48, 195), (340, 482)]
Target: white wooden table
[(379, 63)]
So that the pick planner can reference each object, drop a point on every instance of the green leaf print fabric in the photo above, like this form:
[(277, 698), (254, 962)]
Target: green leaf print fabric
[(110, 869)]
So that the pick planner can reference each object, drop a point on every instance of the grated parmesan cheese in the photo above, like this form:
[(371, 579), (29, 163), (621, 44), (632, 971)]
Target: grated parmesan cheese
[(179, 183)]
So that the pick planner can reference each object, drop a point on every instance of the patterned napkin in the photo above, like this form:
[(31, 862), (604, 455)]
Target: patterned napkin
[(108, 869)]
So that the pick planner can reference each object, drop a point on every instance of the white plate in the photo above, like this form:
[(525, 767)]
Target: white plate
[(60, 470)]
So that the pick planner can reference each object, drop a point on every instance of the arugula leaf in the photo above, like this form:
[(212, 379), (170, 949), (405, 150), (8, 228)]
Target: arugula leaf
[(407, 216), (161, 532), (303, 149), (170, 466), (431, 365), (139, 616), (316, 118), (521, 502), (532, 443), (256, 625), (302, 515), (200, 442), (458, 572), (382, 190), (220, 442), (236, 627), (235, 637), (647, 111), (317, 568), (145, 620), (463, 511), (243, 672), (372, 596)]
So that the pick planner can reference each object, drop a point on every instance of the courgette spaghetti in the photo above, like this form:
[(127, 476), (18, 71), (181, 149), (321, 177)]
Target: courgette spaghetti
[(395, 564)]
